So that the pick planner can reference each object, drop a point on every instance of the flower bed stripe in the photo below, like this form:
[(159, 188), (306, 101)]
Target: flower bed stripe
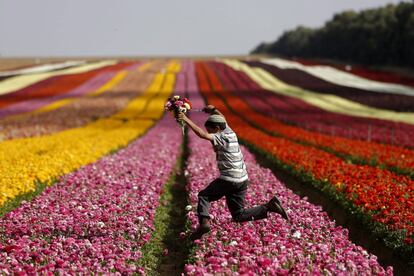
[(42, 68), (54, 86), (107, 100), (104, 88), (105, 80), (94, 220), (397, 158), (336, 76), (330, 103), (383, 196), (376, 75), (30, 105), (302, 79), (96, 84), (25, 161), (15, 64), (15, 83), (312, 244)]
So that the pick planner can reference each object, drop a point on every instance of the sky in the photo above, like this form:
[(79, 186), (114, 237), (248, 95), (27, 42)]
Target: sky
[(156, 27)]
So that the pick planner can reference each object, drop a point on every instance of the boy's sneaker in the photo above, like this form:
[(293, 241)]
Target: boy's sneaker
[(201, 230), (275, 206)]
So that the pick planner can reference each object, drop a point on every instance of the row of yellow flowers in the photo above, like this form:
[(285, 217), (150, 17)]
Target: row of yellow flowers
[(25, 161)]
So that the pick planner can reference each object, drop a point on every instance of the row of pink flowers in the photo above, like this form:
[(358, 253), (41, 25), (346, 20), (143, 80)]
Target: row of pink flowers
[(96, 219), (310, 243)]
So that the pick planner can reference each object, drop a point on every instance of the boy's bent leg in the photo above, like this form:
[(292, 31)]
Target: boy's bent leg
[(214, 191), (254, 213), (275, 206), (235, 202)]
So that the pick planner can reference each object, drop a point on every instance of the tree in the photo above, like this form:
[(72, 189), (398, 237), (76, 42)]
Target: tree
[(375, 36)]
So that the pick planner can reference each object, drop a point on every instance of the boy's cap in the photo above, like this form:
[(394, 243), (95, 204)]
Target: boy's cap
[(216, 119)]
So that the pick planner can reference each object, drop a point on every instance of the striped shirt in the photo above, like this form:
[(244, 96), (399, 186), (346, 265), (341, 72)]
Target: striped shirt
[(229, 156)]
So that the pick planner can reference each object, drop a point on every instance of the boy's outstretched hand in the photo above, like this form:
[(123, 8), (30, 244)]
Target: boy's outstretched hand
[(209, 109), (181, 117)]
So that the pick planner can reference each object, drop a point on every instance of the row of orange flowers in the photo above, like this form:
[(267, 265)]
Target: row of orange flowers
[(387, 197)]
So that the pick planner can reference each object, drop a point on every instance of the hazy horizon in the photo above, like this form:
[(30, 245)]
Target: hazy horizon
[(53, 28)]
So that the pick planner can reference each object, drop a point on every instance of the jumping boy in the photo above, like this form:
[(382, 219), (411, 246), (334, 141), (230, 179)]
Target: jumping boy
[(233, 180)]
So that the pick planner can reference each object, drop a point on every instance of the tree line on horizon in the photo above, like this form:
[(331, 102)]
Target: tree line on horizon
[(380, 36)]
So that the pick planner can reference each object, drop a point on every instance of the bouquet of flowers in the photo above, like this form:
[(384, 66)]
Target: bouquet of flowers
[(177, 104)]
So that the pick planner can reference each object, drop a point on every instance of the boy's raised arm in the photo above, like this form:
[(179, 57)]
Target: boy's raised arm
[(211, 109), (197, 130)]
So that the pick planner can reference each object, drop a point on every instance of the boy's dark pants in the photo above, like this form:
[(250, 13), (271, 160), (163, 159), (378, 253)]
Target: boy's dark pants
[(234, 193)]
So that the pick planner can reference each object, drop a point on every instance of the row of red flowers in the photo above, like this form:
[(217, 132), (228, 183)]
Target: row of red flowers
[(387, 197), (391, 156)]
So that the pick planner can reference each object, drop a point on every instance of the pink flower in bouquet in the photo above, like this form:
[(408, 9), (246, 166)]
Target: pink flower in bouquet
[(168, 106), (177, 104)]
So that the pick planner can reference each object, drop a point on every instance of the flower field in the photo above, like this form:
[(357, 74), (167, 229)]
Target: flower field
[(387, 100), (373, 189), (310, 242), (331, 114), (383, 154), (88, 159)]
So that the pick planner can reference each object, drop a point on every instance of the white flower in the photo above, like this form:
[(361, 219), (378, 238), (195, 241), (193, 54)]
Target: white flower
[(134, 187), (341, 267), (188, 207), (88, 243), (141, 219), (296, 235), (100, 224), (233, 243)]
